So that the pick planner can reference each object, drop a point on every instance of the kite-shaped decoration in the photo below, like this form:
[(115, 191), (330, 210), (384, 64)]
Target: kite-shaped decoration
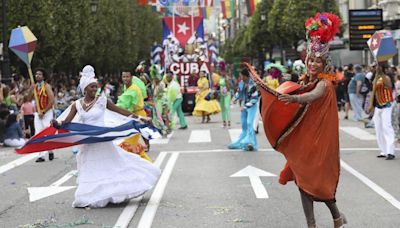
[(382, 45), (23, 43)]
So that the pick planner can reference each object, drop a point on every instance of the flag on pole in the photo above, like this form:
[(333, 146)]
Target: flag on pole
[(182, 28), (142, 2), (251, 7), (223, 9), (382, 45)]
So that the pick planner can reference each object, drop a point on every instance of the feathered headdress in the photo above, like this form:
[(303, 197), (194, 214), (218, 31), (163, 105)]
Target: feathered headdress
[(321, 29)]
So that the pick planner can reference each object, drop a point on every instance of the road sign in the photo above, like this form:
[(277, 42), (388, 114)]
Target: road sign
[(362, 25)]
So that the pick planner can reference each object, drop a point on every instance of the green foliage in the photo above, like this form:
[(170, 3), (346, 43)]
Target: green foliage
[(70, 35), (283, 25)]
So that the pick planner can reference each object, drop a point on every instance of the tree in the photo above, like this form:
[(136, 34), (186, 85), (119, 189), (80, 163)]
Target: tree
[(287, 17), (70, 35)]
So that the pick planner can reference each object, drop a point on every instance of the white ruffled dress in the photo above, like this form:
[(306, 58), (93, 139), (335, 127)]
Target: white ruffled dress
[(106, 173)]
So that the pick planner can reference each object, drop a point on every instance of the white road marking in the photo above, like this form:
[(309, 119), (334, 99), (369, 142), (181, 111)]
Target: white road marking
[(200, 136), (129, 211), (37, 193), (371, 185), (263, 150), (17, 162), (254, 174), (161, 140), (234, 134), (150, 211), (358, 133)]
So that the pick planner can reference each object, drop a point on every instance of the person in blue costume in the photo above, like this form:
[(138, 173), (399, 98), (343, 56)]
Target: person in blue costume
[(248, 98)]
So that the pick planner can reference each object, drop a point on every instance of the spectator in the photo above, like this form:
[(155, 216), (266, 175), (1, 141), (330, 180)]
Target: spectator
[(13, 135), (61, 103), (354, 91), (348, 75), (4, 112), (28, 110)]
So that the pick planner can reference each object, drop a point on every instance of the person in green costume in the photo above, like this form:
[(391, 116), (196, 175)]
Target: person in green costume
[(160, 104), (175, 99), (225, 99), (131, 99)]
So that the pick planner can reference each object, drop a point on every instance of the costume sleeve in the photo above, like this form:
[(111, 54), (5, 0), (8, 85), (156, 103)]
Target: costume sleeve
[(312, 95), (128, 100), (253, 98), (172, 93)]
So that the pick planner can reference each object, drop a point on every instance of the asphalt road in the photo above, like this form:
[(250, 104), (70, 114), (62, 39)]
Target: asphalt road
[(196, 188)]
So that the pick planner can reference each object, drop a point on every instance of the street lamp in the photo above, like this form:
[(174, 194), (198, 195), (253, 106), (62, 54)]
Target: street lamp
[(5, 70), (263, 16), (93, 6)]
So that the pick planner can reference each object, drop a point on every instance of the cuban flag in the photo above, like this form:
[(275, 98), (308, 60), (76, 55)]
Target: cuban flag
[(183, 28), (156, 52), (72, 134)]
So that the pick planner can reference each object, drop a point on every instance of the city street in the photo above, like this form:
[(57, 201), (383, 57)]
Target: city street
[(203, 184)]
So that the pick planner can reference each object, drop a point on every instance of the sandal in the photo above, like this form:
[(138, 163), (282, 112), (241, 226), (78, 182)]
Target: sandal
[(339, 222)]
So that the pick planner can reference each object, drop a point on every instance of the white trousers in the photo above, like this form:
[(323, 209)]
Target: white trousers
[(257, 116), (14, 142), (384, 130), (41, 124)]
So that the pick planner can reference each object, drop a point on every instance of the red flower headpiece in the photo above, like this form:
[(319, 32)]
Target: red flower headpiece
[(324, 26), (321, 29)]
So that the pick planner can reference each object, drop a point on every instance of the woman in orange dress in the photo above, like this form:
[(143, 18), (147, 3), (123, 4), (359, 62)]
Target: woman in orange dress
[(310, 139)]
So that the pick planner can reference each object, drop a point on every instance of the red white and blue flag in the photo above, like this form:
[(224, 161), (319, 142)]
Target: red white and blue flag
[(72, 134), (182, 28)]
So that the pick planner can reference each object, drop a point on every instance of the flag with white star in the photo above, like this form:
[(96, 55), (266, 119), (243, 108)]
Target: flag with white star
[(182, 28)]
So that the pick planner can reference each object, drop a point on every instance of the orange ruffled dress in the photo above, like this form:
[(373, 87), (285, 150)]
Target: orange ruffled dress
[(306, 134), (312, 149)]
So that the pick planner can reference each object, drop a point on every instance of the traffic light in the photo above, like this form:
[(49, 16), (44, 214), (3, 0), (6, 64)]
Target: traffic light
[(362, 25)]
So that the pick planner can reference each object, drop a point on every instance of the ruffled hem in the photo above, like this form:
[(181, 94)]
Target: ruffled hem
[(113, 192), (209, 107)]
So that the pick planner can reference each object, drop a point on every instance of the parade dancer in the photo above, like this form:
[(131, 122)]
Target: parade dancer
[(132, 98), (311, 143), (43, 118), (225, 99), (248, 98), (175, 99), (382, 104), (107, 173), (160, 102), (206, 105)]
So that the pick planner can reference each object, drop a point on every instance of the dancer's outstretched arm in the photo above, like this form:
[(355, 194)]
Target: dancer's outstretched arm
[(314, 94)]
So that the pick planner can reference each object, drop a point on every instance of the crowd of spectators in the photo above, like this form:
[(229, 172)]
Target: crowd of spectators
[(15, 104)]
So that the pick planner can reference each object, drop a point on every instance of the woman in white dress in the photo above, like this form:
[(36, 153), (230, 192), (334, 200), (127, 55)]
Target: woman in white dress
[(106, 173)]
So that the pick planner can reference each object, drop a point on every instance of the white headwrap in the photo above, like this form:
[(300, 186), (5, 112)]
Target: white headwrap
[(87, 77)]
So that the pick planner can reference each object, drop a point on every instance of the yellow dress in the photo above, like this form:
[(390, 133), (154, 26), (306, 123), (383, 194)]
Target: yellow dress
[(202, 105)]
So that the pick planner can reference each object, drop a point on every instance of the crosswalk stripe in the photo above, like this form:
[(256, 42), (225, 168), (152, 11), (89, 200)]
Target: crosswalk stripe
[(234, 134), (17, 162), (200, 136), (161, 140), (358, 133)]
